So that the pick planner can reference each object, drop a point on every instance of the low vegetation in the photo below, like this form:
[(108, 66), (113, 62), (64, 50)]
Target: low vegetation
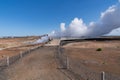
[(99, 49)]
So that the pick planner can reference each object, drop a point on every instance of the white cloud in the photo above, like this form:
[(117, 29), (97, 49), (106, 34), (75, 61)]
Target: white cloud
[(115, 32), (77, 27), (62, 26), (109, 20)]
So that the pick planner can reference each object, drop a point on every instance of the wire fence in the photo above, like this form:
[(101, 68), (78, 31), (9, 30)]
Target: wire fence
[(6, 61), (81, 71), (3, 62)]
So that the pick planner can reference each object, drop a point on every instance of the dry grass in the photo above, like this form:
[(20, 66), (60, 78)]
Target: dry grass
[(108, 59), (13, 46)]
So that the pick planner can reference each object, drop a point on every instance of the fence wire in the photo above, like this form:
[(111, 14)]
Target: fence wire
[(6, 61), (78, 69)]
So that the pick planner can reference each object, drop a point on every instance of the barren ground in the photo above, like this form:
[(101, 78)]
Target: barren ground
[(13, 46), (39, 65), (54, 42), (108, 59)]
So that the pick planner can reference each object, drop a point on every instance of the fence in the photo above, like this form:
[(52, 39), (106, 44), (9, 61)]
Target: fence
[(6, 61), (79, 70)]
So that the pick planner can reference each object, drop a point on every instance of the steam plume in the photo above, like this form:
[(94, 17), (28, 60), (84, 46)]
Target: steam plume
[(42, 40), (109, 20)]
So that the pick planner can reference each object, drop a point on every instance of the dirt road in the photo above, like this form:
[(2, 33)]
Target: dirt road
[(39, 65)]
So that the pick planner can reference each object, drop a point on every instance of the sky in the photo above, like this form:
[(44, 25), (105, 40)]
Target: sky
[(37, 17)]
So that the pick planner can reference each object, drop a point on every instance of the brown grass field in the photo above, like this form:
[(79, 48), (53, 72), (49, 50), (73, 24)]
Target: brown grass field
[(13, 46), (85, 52), (42, 64)]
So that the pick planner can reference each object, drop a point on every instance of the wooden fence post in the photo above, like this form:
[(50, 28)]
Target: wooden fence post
[(21, 55), (8, 62), (67, 62), (103, 75), (28, 51)]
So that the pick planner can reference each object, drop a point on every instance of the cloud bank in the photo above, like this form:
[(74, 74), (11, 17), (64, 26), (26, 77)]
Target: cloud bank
[(109, 20)]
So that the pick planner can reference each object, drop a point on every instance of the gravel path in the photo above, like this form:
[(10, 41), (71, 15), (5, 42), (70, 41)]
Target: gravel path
[(39, 65)]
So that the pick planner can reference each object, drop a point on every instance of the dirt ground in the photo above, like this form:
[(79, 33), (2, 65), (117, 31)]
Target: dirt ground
[(39, 65), (54, 42), (85, 52)]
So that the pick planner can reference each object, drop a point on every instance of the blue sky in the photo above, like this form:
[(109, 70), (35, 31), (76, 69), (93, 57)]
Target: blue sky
[(36, 17)]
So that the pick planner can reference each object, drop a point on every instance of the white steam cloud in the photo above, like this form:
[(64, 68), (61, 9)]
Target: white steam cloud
[(109, 20), (42, 40), (62, 26)]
